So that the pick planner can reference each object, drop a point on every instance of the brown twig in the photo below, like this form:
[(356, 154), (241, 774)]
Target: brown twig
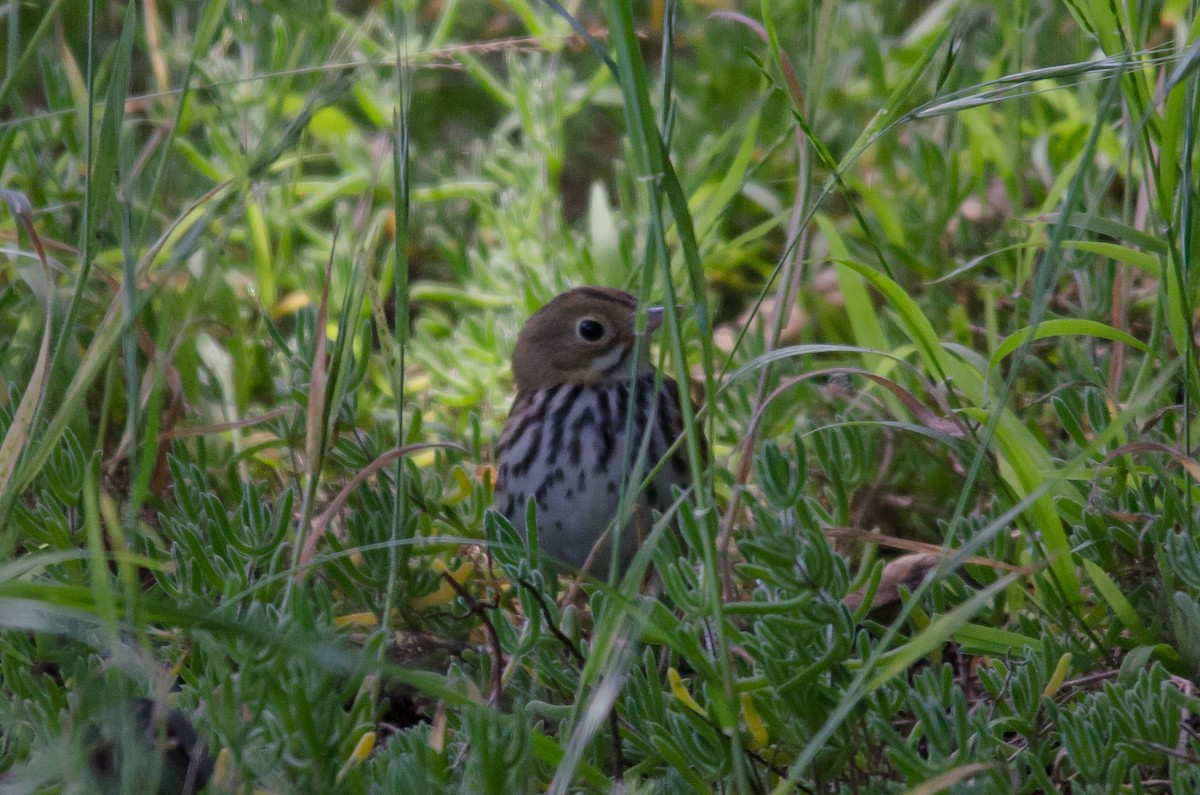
[(554, 630), (480, 609), (909, 545), (321, 522), (797, 244), (614, 729), (613, 717)]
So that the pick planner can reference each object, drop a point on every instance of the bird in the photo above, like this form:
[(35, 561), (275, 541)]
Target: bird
[(565, 443)]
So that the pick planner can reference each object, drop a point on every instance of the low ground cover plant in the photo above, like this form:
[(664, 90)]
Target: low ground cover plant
[(927, 274)]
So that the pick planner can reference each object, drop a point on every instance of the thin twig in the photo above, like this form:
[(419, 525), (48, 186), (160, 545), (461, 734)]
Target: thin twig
[(788, 288), (554, 630), (321, 522), (613, 717), (480, 609)]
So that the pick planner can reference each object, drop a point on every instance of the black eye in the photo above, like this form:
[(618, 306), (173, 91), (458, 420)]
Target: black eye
[(590, 330)]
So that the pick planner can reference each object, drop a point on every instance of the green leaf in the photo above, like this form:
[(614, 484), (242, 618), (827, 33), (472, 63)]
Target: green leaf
[(1119, 604), (104, 167), (1065, 327)]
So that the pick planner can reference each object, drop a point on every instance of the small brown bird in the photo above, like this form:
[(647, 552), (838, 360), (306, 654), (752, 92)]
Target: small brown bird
[(565, 444)]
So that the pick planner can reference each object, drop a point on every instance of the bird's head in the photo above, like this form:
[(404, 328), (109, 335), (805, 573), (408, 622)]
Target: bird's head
[(582, 336)]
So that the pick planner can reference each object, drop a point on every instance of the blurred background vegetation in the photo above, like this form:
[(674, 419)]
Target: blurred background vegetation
[(935, 268)]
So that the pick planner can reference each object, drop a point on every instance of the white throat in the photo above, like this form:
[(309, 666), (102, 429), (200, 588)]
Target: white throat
[(603, 364)]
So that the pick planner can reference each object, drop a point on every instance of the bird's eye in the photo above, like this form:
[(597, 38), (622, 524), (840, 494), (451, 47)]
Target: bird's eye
[(590, 330)]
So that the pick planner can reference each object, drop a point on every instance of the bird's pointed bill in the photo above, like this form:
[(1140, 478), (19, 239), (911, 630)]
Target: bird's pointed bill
[(654, 319)]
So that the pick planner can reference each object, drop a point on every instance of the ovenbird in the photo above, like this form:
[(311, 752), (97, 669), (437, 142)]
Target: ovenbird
[(565, 443)]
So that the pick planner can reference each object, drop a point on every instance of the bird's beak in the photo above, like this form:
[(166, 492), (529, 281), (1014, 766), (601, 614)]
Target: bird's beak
[(654, 317)]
